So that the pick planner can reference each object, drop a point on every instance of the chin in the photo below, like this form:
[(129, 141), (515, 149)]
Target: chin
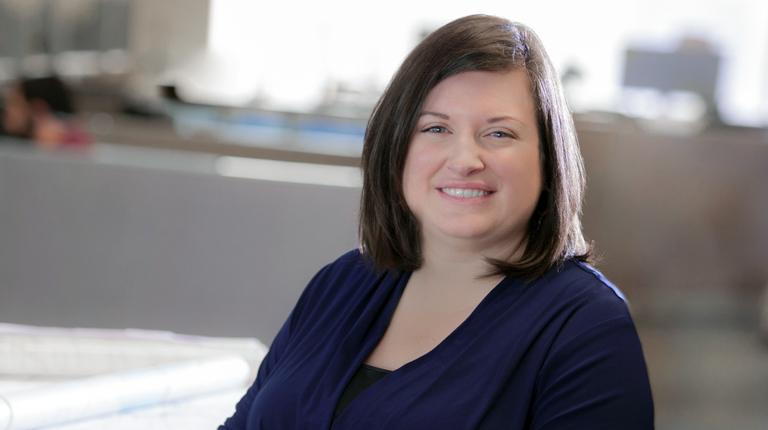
[(484, 235), (467, 232)]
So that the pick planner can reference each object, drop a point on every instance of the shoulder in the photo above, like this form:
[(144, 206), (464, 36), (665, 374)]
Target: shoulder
[(577, 281), (582, 298), (349, 280), (593, 370), (590, 276), (349, 269), (351, 261)]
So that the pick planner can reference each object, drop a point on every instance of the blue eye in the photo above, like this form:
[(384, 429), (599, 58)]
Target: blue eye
[(434, 129), (501, 134)]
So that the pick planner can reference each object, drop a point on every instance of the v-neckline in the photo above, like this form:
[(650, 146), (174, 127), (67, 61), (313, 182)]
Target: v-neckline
[(445, 343), (382, 324)]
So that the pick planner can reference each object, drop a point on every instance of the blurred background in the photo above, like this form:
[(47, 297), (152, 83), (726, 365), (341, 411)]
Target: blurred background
[(205, 168)]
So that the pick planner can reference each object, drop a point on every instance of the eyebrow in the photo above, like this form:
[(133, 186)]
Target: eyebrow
[(437, 114), (503, 118), (489, 121)]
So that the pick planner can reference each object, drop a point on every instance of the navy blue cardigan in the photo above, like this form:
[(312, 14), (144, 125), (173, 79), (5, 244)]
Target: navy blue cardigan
[(559, 353)]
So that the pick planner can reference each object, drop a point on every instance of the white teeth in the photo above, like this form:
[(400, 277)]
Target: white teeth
[(461, 192)]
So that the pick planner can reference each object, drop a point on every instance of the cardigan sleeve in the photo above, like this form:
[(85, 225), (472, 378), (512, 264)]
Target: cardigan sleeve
[(593, 379), (240, 418), (279, 346)]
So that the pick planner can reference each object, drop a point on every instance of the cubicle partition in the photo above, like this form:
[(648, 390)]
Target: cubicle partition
[(87, 243)]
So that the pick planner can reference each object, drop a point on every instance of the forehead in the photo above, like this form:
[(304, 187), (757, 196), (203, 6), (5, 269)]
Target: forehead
[(483, 93)]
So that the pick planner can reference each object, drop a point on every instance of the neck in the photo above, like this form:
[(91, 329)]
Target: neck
[(466, 256), (456, 268)]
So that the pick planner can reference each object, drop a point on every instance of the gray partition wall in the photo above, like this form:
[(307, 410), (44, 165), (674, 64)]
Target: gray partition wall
[(680, 222), (88, 244)]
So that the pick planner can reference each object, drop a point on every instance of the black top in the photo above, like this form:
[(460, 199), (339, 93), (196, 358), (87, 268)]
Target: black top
[(365, 377)]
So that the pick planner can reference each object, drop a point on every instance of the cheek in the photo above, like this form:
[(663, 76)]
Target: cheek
[(416, 176), (524, 174), (14, 119), (537, 177), (410, 179), (536, 183)]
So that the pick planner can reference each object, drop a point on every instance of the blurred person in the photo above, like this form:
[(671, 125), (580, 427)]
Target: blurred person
[(470, 303), (41, 109)]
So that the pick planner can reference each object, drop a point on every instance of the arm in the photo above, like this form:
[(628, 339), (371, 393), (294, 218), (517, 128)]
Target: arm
[(318, 297), (595, 379), (279, 346), (240, 418)]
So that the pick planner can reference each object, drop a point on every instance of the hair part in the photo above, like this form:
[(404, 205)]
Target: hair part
[(389, 232)]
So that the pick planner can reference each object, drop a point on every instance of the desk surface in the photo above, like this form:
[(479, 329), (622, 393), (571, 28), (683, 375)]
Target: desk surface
[(201, 412)]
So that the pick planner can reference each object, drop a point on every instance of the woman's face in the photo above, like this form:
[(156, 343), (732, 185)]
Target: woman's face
[(17, 116), (472, 175)]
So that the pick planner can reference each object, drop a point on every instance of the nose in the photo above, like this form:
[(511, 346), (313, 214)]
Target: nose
[(465, 157)]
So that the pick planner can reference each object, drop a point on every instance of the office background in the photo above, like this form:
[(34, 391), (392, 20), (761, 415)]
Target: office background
[(226, 135)]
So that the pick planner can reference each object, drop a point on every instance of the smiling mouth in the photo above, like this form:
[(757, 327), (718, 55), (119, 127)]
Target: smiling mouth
[(461, 192)]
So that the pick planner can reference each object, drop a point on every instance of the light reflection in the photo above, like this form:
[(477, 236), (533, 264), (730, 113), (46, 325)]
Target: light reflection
[(288, 171)]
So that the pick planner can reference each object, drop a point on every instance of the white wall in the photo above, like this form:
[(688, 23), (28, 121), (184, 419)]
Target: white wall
[(293, 49)]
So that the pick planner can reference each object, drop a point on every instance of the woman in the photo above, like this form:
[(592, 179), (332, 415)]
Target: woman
[(469, 305), (41, 109)]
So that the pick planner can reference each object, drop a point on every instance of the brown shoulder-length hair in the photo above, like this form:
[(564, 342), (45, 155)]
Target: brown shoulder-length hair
[(389, 233)]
